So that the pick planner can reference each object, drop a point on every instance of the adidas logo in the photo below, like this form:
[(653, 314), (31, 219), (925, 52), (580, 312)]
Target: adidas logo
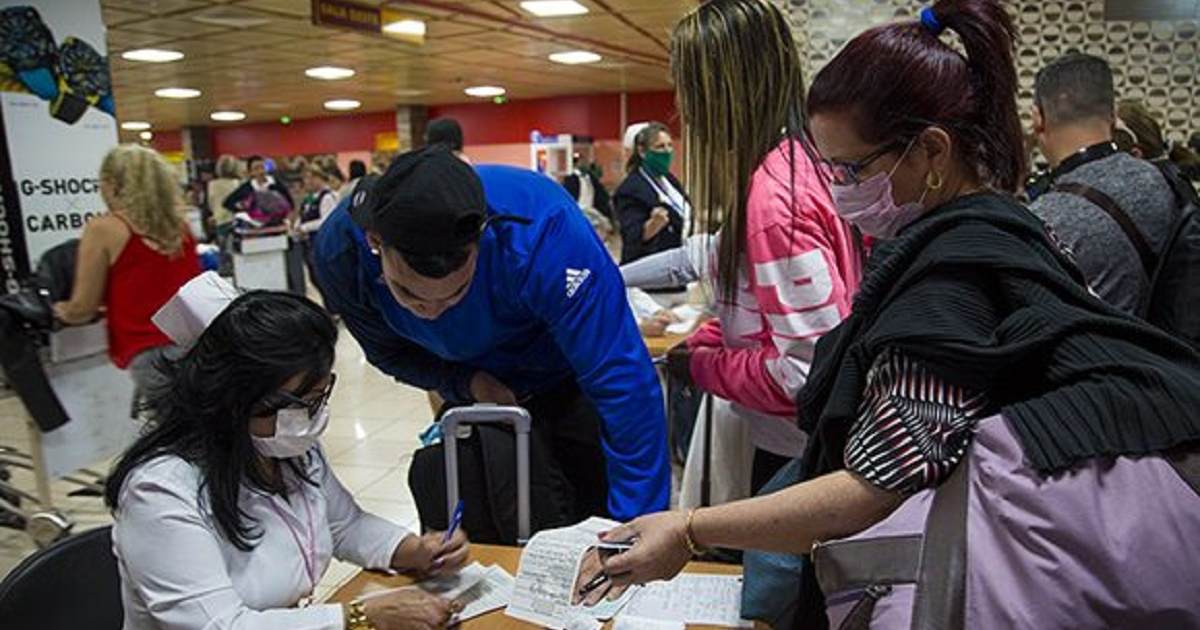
[(575, 278)]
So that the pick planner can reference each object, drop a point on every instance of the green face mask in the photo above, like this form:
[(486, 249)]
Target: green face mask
[(658, 162)]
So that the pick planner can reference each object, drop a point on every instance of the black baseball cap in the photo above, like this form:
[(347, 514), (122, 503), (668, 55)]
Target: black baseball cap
[(428, 202)]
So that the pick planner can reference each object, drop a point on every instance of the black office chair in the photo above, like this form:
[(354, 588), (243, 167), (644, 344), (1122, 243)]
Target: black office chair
[(69, 585)]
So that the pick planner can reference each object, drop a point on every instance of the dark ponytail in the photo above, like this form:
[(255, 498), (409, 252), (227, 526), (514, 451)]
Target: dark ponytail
[(898, 79)]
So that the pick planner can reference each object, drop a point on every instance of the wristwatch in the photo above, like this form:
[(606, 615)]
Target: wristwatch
[(356, 616), (83, 80), (27, 46)]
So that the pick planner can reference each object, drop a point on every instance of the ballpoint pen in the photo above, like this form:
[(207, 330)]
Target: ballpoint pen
[(593, 584), (455, 519)]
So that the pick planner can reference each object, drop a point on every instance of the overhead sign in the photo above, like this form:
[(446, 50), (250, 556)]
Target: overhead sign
[(56, 125), (368, 19), (352, 15)]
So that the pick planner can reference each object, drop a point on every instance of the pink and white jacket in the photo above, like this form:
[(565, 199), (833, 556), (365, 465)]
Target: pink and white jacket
[(801, 270)]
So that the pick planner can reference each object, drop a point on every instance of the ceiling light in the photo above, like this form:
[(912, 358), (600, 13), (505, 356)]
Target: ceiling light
[(342, 104), (574, 57), (135, 125), (329, 73), (146, 135), (484, 91), (405, 27), (228, 116), (553, 8), (152, 55), (176, 93)]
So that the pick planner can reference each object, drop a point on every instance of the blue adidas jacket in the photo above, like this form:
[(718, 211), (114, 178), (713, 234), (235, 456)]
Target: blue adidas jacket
[(546, 303)]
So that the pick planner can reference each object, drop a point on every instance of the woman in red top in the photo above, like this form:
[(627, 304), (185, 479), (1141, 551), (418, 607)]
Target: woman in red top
[(133, 259)]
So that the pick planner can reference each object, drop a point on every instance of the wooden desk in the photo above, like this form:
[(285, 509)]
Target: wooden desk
[(658, 346), (509, 558)]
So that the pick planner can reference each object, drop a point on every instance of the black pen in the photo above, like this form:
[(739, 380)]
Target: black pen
[(593, 584)]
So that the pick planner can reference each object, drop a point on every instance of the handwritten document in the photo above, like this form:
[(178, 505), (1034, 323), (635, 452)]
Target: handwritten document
[(691, 598), (626, 621), (546, 578)]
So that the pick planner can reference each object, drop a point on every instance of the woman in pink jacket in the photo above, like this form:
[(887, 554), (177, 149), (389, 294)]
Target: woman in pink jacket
[(784, 265)]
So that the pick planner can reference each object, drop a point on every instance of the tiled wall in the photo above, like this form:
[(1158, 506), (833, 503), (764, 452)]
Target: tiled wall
[(1152, 61)]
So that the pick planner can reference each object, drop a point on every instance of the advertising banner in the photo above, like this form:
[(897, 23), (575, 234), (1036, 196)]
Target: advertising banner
[(57, 121)]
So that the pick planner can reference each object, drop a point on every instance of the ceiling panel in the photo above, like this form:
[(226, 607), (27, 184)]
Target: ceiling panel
[(260, 69)]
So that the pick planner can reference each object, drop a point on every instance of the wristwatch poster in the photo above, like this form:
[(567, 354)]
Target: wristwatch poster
[(83, 80), (27, 47)]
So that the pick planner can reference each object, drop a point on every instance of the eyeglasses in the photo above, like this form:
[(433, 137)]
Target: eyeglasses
[(313, 405), (845, 173)]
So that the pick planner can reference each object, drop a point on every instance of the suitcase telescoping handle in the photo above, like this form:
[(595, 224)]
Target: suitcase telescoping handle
[(487, 413)]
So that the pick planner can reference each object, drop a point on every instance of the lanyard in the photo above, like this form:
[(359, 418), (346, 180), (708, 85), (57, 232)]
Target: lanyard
[(308, 552), (663, 195)]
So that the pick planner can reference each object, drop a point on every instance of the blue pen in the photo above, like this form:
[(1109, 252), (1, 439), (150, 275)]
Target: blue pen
[(455, 519)]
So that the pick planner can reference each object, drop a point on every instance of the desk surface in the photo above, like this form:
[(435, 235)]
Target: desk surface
[(509, 558), (658, 346)]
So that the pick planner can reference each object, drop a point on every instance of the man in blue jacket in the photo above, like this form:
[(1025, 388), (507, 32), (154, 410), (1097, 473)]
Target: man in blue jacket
[(489, 285)]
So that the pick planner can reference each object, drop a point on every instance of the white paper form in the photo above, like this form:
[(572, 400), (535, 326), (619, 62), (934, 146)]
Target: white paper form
[(478, 588), (626, 621), (492, 592), (688, 316), (452, 585), (549, 565), (691, 598)]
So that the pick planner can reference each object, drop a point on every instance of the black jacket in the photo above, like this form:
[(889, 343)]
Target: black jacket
[(635, 199)]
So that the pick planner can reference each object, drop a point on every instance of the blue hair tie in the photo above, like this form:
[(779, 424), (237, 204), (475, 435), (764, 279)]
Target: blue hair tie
[(930, 21)]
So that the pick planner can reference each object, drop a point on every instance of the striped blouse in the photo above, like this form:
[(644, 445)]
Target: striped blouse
[(912, 427)]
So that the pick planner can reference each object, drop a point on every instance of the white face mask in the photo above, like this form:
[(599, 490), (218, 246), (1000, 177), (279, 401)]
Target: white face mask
[(295, 433)]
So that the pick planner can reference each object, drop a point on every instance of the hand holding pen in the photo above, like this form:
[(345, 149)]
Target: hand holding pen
[(437, 552), (590, 590)]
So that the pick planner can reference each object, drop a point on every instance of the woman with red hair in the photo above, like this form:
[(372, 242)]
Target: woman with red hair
[(987, 437)]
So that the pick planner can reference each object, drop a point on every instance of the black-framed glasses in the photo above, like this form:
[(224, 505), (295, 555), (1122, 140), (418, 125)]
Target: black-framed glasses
[(847, 173), (312, 405)]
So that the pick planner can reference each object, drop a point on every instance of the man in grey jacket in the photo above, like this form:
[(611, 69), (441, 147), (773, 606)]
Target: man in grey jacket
[(1073, 119)]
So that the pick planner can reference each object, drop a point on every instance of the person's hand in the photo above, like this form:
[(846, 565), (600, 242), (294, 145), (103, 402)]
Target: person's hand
[(409, 609), (487, 388), (660, 218), (679, 362), (659, 551), (429, 555), (656, 324)]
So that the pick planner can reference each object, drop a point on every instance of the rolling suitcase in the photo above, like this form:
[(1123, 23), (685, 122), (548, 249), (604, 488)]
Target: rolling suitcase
[(485, 466)]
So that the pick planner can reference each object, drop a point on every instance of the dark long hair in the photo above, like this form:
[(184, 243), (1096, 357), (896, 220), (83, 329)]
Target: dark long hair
[(738, 83), (247, 354), (898, 79)]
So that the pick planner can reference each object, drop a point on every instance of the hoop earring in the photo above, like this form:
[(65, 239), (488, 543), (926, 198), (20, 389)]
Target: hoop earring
[(934, 180)]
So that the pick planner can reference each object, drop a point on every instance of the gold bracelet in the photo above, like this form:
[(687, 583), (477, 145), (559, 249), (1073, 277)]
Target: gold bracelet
[(356, 616), (689, 540)]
